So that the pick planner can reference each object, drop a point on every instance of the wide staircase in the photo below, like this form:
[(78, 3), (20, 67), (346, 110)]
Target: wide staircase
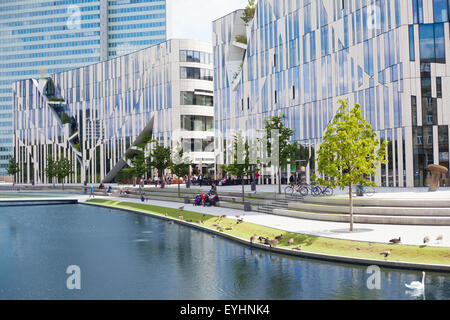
[(279, 204), (431, 212)]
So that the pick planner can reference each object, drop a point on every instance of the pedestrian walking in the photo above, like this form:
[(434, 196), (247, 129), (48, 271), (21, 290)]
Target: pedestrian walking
[(92, 193)]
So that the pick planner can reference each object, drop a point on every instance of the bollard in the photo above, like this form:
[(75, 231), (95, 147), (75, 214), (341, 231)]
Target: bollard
[(247, 206), (186, 199)]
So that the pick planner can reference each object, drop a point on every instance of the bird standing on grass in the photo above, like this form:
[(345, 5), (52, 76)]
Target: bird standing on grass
[(439, 238), (386, 254), (252, 238), (291, 241)]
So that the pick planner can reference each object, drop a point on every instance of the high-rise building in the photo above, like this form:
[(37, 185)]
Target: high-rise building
[(96, 114), (43, 37), (297, 58)]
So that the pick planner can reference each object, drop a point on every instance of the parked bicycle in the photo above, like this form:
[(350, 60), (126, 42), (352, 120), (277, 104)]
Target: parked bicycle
[(367, 190), (322, 191)]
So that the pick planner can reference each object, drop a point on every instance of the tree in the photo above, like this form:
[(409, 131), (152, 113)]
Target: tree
[(160, 158), (63, 169), (13, 168), (348, 153), (241, 165), (249, 12), (138, 162), (285, 150), (180, 165), (51, 169)]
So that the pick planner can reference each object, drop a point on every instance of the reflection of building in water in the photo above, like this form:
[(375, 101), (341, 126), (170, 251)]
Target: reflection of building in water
[(299, 59)]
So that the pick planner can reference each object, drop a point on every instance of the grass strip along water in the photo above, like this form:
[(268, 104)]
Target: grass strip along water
[(308, 243)]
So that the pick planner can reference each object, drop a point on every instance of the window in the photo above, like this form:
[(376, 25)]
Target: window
[(275, 96), (190, 98), (439, 87), (418, 11), (432, 45), (412, 56), (440, 11), (195, 56), (196, 73), (414, 110)]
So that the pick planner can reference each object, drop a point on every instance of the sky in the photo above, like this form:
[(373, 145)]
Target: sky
[(191, 19)]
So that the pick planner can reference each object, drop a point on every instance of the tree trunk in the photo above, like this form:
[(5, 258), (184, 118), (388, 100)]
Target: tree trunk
[(162, 180), (350, 195), (243, 193), (279, 179)]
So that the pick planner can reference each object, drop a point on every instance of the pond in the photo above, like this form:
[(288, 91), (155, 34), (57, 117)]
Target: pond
[(122, 255)]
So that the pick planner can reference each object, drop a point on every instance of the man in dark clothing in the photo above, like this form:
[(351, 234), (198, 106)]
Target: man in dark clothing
[(291, 179)]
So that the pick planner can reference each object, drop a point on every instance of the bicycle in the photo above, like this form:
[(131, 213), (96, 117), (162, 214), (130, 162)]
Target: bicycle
[(323, 191), (367, 190)]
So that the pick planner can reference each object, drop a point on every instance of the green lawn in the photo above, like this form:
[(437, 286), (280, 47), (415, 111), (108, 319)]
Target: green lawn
[(357, 249)]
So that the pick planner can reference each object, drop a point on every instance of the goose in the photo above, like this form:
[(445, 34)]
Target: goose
[(299, 248), (181, 217), (229, 228), (291, 241), (279, 237), (181, 208), (252, 238), (274, 242), (439, 238), (394, 241), (416, 285), (261, 238), (385, 254), (426, 239)]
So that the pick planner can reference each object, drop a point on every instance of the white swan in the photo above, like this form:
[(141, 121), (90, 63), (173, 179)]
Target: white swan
[(416, 285)]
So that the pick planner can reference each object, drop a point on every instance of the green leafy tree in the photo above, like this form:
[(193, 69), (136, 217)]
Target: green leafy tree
[(350, 152), (63, 169), (249, 12), (51, 169), (279, 156), (124, 175), (138, 161), (160, 158), (241, 165), (180, 165), (13, 168)]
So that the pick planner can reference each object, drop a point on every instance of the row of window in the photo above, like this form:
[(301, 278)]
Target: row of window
[(5, 157), (132, 18), (137, 26), (191, 98), (440, 11), (51, 45), (6, 149), (43, 4), (135, 43), (197, 123), (137, 9), (49, 54), (46, 12), (196, 73), (49, 20), (137, 34), (50, 37), (53, 28), (198, 145), (122, 2), (49, 62), (195, 56)]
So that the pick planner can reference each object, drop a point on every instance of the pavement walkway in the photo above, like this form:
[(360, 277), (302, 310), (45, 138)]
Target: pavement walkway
[(412, 235)]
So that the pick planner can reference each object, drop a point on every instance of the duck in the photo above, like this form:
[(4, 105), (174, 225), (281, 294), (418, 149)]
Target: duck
[(416, 285), (394, 241), (386, 254)]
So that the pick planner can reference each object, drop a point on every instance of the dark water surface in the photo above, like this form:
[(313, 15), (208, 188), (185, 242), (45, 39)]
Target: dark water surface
[(127, 256)]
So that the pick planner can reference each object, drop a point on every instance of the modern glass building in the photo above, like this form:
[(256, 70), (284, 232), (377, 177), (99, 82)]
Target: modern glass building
[(42, 37), (96, 114), (298, 57)]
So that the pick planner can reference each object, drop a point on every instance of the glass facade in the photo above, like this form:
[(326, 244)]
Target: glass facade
[(302, 56), (42, 37), (95, 114)]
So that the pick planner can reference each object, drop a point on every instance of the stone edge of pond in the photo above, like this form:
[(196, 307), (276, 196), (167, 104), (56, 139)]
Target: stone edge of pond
[(291, 252)]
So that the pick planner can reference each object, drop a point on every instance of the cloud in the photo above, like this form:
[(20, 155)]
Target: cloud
[(192, 19)]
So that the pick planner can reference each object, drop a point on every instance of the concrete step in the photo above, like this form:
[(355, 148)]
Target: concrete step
[(379, 219), (378, 202), (372, 210)]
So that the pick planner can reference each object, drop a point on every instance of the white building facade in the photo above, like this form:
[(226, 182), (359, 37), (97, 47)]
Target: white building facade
[(299, 57), (95, 115)]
